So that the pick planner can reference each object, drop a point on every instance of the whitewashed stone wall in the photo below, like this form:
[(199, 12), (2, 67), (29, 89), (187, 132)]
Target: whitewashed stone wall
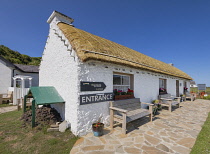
[(60, 69), (146, 87), (5, 77)]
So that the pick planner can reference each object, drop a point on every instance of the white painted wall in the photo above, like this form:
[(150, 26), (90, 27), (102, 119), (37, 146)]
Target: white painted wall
[(146, 87), (5, 77), (60, 69)]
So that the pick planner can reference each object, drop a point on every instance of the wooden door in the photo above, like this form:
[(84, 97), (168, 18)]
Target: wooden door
[(177, 88)]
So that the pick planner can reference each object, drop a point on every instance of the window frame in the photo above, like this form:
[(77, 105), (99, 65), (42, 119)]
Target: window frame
[(130, 80), (164, 83)]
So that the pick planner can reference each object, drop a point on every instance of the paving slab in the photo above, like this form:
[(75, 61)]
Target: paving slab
[(170, 132), (7, 109)]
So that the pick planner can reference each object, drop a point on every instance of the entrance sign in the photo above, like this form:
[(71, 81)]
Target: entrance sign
[(94, 98), (201, 86), (92, 86)]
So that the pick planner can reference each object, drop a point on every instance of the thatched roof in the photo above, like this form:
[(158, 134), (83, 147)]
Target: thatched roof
[(92, 47)]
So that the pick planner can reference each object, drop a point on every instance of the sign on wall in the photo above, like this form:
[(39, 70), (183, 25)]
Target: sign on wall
[(94, 98), (92, 86), (201, 86)]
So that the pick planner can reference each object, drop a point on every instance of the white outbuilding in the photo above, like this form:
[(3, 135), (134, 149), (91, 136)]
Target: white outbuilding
[(85, 69), (8, 70)]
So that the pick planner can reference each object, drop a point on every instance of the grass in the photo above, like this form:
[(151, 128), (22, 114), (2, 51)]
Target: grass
[(202, 144), (4, 105), (17, 139), (195, 89)]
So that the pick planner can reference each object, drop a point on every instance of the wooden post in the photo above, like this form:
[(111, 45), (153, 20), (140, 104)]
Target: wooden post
[(24, 104), (18, 104), (111, 118), (170, 106), (33, 113), (124, 124), (150, 110)]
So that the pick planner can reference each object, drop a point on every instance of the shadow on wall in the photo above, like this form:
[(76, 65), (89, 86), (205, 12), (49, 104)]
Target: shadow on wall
[(60, 107)]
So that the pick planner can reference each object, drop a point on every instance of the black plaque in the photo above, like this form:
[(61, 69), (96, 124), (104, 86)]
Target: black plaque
[(92, 86), (201, 86), (95, 98)]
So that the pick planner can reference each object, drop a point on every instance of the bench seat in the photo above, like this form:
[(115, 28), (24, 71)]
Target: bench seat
[(169, 101), (124, 111)]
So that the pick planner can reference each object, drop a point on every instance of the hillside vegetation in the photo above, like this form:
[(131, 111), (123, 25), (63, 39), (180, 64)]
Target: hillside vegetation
[(17, 58)]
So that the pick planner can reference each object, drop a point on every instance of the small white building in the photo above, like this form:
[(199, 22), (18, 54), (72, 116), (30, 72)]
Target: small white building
[(193, 84), (74, 59), (8, 70)]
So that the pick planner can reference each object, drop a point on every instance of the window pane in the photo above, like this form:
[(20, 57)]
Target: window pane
[(125, 80), (162, 83), (123, 88), (116, 79)]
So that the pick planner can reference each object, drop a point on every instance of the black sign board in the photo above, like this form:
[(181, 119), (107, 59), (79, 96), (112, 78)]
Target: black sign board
[(201, 86), (92, 86), (94, 98)]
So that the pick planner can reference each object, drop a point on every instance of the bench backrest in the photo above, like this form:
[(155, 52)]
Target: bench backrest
[(188, 94), (165, 96), (127, 104)]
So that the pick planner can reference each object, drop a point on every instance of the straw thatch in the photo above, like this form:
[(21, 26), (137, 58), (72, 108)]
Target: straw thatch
[(92, 47)]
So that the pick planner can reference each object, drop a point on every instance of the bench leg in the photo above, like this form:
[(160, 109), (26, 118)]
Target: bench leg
[(170, 106), (150, 117), (150, 110), (179, 101), (124, 124), (111, 119)]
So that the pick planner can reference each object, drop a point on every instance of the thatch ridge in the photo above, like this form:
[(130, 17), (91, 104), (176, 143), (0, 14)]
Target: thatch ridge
[(92, 47)]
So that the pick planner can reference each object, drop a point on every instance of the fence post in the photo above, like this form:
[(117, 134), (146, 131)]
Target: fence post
[(24, 104), (33, 113), (18, 104)]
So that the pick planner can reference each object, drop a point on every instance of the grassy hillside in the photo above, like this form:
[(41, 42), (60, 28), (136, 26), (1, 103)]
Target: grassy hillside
[(17, 58)]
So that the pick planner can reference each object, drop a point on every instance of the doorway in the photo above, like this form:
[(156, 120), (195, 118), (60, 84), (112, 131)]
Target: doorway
[(177, 88)]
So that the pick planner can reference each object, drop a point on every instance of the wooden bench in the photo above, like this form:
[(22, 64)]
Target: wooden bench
[(189, 96), (169, 101), (124, 111)]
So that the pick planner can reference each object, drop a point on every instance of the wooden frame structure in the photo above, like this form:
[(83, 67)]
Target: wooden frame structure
[(169, 101), (124, 111)]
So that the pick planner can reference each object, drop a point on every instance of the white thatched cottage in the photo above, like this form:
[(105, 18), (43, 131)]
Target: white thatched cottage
[(80, 65)]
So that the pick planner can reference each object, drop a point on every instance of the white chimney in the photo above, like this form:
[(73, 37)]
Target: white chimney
[(57, 17)]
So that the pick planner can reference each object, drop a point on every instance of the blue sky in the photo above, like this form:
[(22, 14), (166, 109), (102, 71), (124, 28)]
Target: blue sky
[(173, 31)]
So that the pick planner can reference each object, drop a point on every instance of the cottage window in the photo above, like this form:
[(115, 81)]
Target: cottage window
[(162, 84), (121, 82)]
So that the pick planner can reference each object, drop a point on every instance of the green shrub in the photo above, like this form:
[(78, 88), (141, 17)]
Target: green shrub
[(207, 97)]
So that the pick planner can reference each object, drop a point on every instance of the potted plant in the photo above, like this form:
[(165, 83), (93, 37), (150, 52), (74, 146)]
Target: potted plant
[(120, 95), (157, 106), (162, 91), (98, 128), (185, 89)]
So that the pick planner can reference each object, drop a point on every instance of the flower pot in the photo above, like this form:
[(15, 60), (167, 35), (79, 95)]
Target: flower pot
[(98, 129), (121, 97), (162, 92)]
